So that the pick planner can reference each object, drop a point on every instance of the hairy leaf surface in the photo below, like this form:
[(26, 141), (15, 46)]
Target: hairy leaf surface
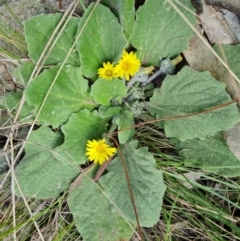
[(39, 173), (194, 104), (38, 31), (146, 182), (211, 155), (103, 91), (69, 94), (125, 11), (95, 216), (102, 39), (159, 31), (80, 128)]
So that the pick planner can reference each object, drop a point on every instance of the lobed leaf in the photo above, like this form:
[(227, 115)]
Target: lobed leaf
[(125, 11), (103, 91), (102, 39), (189, 98), (211, 155), (95, 216), (39, 173), (38, 31), (159, 31), (80, 128), (69, 94), (146, 183)]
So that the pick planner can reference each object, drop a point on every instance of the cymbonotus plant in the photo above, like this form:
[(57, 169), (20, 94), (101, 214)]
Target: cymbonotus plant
[(86, 84)]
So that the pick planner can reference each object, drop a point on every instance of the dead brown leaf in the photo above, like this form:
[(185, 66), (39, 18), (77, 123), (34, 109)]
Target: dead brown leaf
[(232, 138), (231, 5), (200, 58), (221, 27)]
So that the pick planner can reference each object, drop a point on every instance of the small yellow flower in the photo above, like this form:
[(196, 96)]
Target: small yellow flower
[(128, 65), (107, 72), (99, 151)]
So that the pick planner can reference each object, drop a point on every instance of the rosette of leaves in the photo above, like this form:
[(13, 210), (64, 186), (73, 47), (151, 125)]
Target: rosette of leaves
[(73, 106)]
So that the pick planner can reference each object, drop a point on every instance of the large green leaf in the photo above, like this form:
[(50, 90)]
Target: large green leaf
[(191, 94), (125, 11), (39, 173), (80, 128), (69, 94), (146, 183), (103, 91), (211, 155), (38, 31), (102, 39), (160, 31), (95, 216)]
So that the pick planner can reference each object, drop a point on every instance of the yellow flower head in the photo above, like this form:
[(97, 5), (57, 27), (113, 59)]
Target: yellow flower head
[(107, 72), (99, 151), (128, 65)]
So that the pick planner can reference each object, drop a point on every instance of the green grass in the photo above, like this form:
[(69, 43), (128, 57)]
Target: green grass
[(205, 210)]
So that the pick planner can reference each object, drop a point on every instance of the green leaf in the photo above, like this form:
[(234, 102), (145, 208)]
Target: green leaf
[(94, 213), (39, 174), (102, 39), (24, 72), (190, 99), (11, 102), (125, 123), (109, 111), (80, 128), (211, 155), (125, 11), (69, 94), (231, 53), (160, 31), (103, 91), (146, 182), (38, 31)]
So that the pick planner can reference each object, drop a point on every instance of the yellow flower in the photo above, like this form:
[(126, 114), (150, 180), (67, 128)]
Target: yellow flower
[(99, 151), (107, 72), (128, 65)]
